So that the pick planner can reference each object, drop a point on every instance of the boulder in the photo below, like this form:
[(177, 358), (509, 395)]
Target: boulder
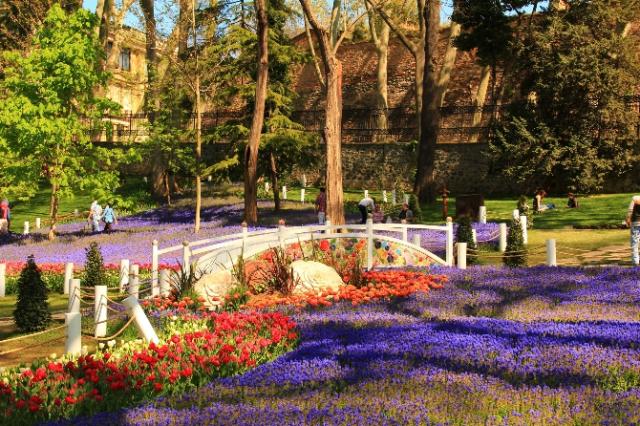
[(314, 277), (214, 285)]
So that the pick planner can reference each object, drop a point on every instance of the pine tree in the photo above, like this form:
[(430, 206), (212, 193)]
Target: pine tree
[(94, 273), (464, 234), (32, 309), (516, 252)]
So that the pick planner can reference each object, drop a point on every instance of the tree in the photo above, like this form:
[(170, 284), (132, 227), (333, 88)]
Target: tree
[(464, 234), (329, 40), (48, 101), (379, 31), (516, 252), (570, 127), (32, 307), (251, 152), (94, 272)]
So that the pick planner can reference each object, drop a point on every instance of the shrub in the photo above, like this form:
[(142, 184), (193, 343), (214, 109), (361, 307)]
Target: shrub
[(32, 308), (278, 276), (464, 234), (516, 252), (94, 272), (183, 281)]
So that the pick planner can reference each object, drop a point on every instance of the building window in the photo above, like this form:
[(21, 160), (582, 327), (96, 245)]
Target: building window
[(125, 59), (109, 48)]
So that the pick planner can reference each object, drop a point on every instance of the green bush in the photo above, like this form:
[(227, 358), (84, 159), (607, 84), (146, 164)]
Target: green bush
[(32, 307), (516, 252), (94, 272), (464, 234)]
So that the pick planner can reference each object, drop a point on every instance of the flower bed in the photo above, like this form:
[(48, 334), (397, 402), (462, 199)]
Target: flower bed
[(211, 345)]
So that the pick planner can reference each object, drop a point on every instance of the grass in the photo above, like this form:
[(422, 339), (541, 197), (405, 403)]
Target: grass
[(132, 192), (57, 302)]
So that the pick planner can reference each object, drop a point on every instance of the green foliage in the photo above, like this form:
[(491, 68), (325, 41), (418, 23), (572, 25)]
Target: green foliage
[(94, 272), (278, 276), (525, 210), (570, 127), (464, 234), (184, 281), (516, 252), (32, 307)]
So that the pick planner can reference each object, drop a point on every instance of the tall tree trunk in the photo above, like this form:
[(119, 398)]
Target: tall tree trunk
[(479, 99), (450, 55), (382, 97), (274, 182), (424, 186), (198, 123), (333, 142), (53, 211), (251, 152)]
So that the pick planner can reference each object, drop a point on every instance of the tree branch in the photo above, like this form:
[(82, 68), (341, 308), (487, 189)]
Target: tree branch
[(403, 38), (313, 51)]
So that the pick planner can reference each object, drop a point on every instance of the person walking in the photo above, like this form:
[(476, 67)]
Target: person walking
[(95, 214), (109, 218), (5, 217), (321, 206), (633, 222), (364, 204)]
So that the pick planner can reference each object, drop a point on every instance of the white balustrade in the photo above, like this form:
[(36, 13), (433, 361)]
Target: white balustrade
[(140, 319), (462, 255), (551, 253), (100, 310)]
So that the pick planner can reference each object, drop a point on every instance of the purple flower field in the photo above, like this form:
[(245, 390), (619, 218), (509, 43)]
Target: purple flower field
[(133, 235), (537, 346)]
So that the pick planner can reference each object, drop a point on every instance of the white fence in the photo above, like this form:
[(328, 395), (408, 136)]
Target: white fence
[(221, 252)]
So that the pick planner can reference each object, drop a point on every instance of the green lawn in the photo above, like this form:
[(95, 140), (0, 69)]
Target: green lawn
[(57, 302)]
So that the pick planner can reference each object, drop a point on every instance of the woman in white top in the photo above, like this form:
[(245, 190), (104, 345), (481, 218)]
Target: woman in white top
[(363, 205)]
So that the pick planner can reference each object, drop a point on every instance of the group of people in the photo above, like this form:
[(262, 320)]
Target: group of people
[(366, 205), (106, 215), (539, 205)]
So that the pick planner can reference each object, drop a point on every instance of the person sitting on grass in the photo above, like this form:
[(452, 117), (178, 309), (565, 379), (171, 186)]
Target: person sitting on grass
[(538, 203), (406, 215), (572, 202)]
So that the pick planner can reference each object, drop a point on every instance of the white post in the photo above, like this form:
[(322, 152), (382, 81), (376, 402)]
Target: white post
[(302, 191), (25, 230), (523, 225), (516, 214), (449, 255), (304, 180), (369, 244), (165, 284), (366, 193), (405, 236), (38, 223), (416, 240), (474, 236), (281, 230), (551, 252), (140, 319), (394, 197), (502, 244), (73, 344), (68, 276), (462, 255), (266, 187), (245, 235), (284, 192), (327, 224), (186, 257), (124, 274), (76, 212), (74, 296), (384, 196), (154, 268), (100, 310), (3, 279), (134, 280), (482, 214)]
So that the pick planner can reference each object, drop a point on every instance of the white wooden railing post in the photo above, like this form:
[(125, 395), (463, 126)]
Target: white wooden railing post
[(462, 255), (284, 192), (140, 319), (327, 226), (516, 214), (186, 257), (134, 280), (38, 223), (474, 236), (124, 274), (74, 296), (551, 252), (405, 233), (394, 197), (482, 214), (25, 230), (366, 193), (154, 268), (302, 194), (266, 187), (385, 199), (369, 244), (523, 225), (165, 283), (73, 344), (449, 253), (245, 235), (502, 242), (3, 279), (416, 240), (100, 310), (68, 276)]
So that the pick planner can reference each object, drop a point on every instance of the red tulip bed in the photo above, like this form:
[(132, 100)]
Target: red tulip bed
[(223, 344)]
